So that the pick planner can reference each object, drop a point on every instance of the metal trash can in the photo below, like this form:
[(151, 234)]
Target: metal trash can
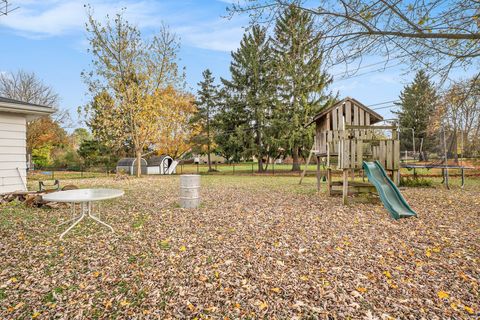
[(190, 191)]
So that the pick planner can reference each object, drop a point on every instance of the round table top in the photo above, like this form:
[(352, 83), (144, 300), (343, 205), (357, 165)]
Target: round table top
[(83, 195)]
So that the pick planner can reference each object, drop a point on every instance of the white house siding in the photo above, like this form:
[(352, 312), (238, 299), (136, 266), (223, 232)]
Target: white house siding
[(13, 162)]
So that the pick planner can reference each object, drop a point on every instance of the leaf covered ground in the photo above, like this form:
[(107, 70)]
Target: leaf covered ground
[(259, 247)]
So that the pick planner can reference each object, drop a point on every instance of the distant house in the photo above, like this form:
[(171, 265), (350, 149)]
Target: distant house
[(14, 116), (204, 158)]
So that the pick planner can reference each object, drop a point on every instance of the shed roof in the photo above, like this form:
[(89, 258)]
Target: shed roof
[(31, 109), (128, 162), (374, 117), (156, 161)]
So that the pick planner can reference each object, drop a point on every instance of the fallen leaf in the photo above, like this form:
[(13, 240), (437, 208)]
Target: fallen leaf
[(262, 305), (392, 284), (443, 295), (428, 252), (469, 310)]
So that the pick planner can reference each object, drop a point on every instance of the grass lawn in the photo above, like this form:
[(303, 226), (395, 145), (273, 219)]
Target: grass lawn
[(259, 247), (244, 168)]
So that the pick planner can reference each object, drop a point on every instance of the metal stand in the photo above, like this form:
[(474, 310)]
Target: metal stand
[(86, 211)]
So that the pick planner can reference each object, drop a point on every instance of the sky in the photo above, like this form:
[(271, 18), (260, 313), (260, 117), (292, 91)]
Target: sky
[(48, 38)]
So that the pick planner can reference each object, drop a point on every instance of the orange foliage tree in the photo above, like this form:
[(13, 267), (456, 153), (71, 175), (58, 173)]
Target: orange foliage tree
[(45, 131), (174, 129)]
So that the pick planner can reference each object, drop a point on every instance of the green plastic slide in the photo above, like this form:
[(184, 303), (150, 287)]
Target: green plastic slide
[(391, 197)]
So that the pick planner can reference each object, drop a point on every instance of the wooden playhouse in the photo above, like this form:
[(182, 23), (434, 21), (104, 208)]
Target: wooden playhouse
[(347, 133)]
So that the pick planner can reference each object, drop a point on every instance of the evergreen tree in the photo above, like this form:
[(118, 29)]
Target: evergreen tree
[(417, 104), (233, 134), (207, 104), (249, 101), (298, 56)]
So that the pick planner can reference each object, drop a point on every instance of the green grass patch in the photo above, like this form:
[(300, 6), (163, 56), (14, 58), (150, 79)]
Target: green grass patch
[(49, 298), (165, 245), (139, 221), (415, 182), (123, 287), (3, 294)]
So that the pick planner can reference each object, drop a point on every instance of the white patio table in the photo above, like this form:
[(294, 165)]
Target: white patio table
[(85, 197)]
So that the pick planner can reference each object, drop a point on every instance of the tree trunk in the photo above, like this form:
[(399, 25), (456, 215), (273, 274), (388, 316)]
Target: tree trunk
[(260, 153), (260, 163), (208, 144), (296, 159), (139, 163), (209, 160)]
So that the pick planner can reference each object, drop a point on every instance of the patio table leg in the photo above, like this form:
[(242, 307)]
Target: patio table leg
[(73, 215), (96, 218), (86, 210), (69, 220), (71, 227)]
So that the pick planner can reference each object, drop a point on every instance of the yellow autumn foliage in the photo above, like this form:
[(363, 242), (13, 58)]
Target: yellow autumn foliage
[(174, 131)]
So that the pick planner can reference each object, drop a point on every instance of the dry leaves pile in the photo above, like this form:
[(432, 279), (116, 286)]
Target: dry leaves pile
[(259, 247)]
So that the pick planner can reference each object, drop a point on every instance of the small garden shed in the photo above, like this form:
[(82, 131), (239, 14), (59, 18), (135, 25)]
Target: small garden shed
[(14, 116), (129, 165), (159, 165)]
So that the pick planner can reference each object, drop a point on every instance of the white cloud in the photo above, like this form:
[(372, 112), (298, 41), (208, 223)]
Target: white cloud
[(217, 36), (196, 26), (54, 17), (59, 19)]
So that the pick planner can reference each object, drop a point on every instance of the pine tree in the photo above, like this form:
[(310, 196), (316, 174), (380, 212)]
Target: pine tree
[(298, 56), (207, 105), (232, 128), (249, 95), (418, 101)]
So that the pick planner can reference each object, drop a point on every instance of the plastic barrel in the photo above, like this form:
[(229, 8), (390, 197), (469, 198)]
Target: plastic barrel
[(189, 191)]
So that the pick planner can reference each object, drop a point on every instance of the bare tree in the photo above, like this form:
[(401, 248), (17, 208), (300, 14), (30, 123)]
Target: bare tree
[(459, 111), (27, 87), (436, 35)]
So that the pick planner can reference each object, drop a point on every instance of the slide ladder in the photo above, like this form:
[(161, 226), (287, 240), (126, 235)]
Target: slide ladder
[(391, 197)]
